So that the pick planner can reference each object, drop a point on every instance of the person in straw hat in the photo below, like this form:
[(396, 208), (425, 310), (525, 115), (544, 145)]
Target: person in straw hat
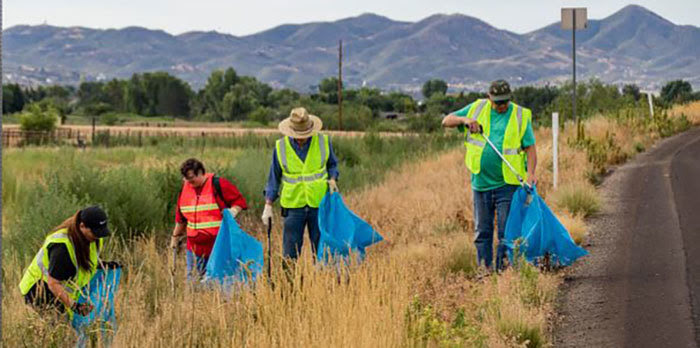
[(304, 163)]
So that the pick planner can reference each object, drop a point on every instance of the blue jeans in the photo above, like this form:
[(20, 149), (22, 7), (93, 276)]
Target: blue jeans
[(200, 262), (489, 205), (295, 220)]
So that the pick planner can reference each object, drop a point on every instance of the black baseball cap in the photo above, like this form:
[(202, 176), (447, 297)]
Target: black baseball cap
[(500, 91), (96, 220)]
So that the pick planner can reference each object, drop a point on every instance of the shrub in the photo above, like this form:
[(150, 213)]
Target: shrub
[(110, 119), (462, 258), (426, 123), (36, 118), (261, 115), (578, 198)]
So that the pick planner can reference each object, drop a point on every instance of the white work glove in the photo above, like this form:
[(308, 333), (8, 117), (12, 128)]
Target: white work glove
[(267, 214), (235, 210), (332, 186)]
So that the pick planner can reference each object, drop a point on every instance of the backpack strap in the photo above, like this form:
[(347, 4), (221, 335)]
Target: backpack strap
[(217, 190)]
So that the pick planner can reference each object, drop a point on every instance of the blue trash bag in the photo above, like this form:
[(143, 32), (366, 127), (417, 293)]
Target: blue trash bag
[(100, 293), (342, 232), (237, 258), (535, 231)]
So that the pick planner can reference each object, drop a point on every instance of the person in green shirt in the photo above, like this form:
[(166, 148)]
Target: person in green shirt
[(492, 182)]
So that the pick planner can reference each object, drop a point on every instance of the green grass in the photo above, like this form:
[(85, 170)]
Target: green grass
[(462, 258), (138, 186), (578, 199)]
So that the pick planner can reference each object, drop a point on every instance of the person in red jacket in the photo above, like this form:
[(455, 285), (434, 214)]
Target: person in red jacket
[(199, 213)]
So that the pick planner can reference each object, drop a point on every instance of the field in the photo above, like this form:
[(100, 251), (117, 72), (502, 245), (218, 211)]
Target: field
[(418, 288)]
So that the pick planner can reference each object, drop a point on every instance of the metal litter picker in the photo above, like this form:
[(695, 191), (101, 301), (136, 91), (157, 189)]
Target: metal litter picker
[(523, 184)]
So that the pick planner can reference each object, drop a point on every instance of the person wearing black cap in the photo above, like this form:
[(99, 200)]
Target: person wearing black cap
[(66, 262), (509, 127)]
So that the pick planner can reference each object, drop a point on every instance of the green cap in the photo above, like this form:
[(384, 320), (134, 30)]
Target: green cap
[(499, 90)]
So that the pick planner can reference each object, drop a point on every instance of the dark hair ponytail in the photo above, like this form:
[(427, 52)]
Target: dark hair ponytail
[(80, 244)]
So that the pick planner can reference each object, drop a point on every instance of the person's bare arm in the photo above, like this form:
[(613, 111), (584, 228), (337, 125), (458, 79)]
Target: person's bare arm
[(531, 152), (451, 121), (178, 233), (57, 290)]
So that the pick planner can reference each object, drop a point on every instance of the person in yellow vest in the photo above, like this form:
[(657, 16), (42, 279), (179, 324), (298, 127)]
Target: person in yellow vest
[(66, 262), (304, 163), (509, 127)]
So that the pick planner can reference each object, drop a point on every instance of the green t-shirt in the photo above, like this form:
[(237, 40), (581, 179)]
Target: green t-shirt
[(491, 175)]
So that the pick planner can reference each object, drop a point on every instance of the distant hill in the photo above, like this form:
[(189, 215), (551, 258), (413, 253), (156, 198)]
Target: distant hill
[(634, 45)]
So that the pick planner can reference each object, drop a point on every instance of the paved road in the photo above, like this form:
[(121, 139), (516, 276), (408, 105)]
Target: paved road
[(640, 287)]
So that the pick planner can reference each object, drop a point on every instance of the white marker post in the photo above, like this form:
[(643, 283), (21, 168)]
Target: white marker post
[(651, 105), (555, 148)]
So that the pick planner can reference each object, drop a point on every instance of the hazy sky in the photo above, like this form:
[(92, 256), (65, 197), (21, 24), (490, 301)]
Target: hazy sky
[(250, 16)]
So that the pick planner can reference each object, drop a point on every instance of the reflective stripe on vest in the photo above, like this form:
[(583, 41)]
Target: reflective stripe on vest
[(203, 225), (303, 182), (203, 216), (303, 178)]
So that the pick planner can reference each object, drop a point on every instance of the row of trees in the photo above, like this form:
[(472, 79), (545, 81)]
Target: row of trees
[(228, 96)]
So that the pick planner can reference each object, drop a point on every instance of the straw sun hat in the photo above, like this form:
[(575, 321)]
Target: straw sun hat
[(300, 124)]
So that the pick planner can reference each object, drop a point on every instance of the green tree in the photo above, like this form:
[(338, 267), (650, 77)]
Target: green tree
[(238, 103), (328, 90), (284, 97), (631, 91), (536, 99), (401, 102), (678, 91), (136, 97), (116, 94), (261, 115), (210, 100), (91, 93), (433, 86), (13, 98)]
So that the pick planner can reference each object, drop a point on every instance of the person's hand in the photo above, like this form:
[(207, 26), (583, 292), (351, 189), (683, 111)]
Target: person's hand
[(81, 308), (175, 242), (332, 186), (267, 214), (532, 180), (473, 125), (235, 210)]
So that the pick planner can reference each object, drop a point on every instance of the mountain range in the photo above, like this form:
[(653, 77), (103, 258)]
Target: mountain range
[(633, 45)]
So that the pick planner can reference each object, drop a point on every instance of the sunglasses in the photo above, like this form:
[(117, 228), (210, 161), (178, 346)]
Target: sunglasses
[(501, 102)]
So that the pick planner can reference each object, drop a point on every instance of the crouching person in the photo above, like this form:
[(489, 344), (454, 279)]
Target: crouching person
[(66, 263)]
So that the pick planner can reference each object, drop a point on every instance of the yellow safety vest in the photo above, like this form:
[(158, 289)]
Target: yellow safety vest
[(39, 268), (303, 183), (512, 150)]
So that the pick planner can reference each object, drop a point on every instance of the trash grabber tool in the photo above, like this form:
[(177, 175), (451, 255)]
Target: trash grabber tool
[(524, 184), (173, 270), (498, 152), (269, 249)]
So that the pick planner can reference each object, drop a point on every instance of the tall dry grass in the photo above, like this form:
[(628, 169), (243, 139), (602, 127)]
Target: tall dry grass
[(423, 209), (408, 291), (690, 110)]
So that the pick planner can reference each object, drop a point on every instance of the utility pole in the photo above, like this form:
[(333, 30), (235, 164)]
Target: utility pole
[(574, 18), (340, 84), (573, 54)]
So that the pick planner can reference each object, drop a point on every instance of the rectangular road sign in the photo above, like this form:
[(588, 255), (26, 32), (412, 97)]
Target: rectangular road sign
[(568, 15)]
